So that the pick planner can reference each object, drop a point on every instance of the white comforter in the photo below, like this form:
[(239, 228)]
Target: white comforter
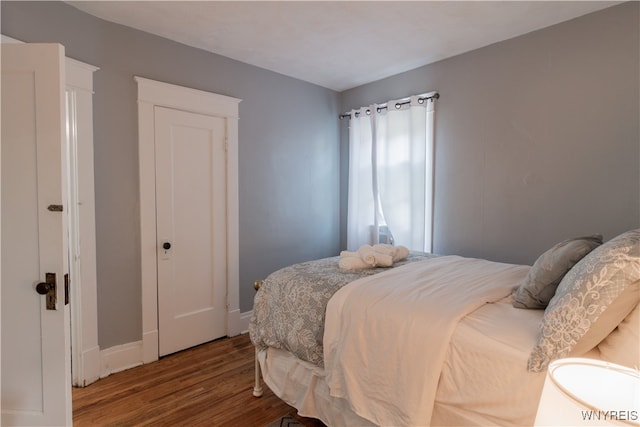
[(386, 336)]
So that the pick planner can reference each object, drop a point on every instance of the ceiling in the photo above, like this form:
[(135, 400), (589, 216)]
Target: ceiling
[(338, 44)]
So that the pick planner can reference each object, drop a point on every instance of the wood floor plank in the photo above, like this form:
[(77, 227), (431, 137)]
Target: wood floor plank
[(208, 385)]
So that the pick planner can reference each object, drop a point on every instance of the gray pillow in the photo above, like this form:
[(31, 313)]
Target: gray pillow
[(537, 289), (591, 300)]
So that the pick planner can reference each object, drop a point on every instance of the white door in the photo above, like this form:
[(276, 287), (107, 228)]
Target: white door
[(191, 228), (36, 371)]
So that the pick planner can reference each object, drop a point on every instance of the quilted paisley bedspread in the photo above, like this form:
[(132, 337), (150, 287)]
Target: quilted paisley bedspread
[(289, 309)]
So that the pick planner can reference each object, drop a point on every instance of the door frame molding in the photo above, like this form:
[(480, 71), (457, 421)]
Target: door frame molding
[(152, 93), (85, 351)]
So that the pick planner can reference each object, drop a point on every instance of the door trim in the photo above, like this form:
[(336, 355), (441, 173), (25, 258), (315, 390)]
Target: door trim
[(153, 93), (85, 351)]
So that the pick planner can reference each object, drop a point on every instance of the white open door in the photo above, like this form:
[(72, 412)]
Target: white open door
[(36, 371)]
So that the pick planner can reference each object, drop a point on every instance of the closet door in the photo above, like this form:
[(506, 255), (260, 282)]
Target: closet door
[(191, 228)]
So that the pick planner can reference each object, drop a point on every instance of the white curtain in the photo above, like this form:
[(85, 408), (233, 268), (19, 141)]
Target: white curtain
[(391, 174)]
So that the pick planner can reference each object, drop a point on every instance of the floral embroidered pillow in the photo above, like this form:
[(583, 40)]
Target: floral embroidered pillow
[(622, 346), (595, 285), (537, 289)]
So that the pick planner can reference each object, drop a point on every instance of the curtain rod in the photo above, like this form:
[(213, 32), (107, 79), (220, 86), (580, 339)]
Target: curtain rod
[(403, 101)]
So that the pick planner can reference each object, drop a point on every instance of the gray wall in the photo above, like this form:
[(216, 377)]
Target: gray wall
[(288, 153), (537, 137)]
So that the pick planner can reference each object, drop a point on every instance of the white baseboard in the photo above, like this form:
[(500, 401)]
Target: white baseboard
[(125, 356), (120, 357), (244, 321), (238, 322)]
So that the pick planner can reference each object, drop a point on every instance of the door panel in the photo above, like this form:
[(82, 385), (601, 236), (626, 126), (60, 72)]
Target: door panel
[(36, 371), (191, 218)]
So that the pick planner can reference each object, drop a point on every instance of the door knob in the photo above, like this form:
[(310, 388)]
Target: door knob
[(48, 288), (166, 246), (43, 288)]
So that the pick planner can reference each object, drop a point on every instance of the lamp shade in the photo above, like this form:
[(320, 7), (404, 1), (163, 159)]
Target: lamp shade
[(588, 392)]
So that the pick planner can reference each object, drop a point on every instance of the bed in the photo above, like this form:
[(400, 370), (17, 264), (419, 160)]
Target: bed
[(442, 340)]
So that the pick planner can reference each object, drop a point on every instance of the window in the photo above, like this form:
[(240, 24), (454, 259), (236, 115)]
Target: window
[(391, 174)]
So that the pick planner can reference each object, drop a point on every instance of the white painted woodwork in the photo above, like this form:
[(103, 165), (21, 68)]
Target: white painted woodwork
[(36, 371), (85, 352), (85, 366), (191, 217), (152, 94)]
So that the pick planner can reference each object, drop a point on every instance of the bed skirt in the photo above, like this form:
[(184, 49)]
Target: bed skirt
[(302, 385)]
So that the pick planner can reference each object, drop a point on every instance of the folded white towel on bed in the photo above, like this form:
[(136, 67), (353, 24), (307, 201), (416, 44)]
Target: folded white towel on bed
[(368, 256), (375, 258), (401, 253), (352, 263), (398, 253)]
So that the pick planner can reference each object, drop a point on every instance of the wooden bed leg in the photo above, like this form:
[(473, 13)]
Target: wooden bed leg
[(257, 388)]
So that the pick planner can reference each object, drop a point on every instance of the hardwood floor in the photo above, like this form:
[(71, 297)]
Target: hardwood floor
[(208, 385)]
